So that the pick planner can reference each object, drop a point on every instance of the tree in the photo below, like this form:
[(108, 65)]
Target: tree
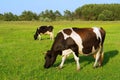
[(9, 17), (52, 15), (101, 17), (47, 15), (28, 16), (106, 15), (1, 17), (68, 15), (58, 15), (78, 13), (97, 11), (35, 16)]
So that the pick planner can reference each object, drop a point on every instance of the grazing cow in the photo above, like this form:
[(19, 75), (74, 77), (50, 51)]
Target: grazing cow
[(43, 30), (86, 41)]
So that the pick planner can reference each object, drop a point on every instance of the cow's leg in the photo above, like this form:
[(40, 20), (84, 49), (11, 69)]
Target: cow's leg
[(65, 53), (77, 60), (63, 60), (101, 57), (97, 57), (51, 35), (39, 36)]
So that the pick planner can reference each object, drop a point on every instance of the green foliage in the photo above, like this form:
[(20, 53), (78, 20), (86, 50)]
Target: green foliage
[(22, 58), (108, 15), (10, 17), (1, 17), (28, 16), (68, 15), (49, 15), (58, 15), (98, 11), (101, 17)]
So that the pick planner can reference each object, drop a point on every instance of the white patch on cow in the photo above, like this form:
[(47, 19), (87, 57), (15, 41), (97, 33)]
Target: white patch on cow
[(51, 34), (65, 53), (97, 57), (48, 33), (77, 61), (76, 37), (97, 32), (65, 35)]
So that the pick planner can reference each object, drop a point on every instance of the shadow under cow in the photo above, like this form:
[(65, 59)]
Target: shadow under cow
[(89, 59), (108, 55)]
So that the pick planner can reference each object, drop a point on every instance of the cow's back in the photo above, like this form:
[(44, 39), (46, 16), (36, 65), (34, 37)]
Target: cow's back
[(92, 38)]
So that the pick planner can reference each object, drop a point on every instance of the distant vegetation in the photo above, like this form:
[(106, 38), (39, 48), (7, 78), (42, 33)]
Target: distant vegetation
[(101, 12)]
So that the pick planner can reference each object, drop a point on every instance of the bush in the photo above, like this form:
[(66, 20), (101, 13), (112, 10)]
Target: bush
[(106, 15), (45, 19), (101, 17)]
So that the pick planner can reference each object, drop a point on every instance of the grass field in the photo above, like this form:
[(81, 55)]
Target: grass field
[(22, 58)]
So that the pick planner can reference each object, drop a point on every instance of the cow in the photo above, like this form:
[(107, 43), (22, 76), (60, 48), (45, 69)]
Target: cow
[(43, 30), (86, 41)]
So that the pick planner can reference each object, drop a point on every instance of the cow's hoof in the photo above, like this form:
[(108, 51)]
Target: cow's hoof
[(95, 67), (78, 69), (59, 67)]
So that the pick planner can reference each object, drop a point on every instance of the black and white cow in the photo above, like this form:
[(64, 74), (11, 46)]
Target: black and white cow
[(86, 41), (43, 30)]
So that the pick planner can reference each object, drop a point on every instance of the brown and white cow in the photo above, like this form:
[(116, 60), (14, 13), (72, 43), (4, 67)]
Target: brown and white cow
[(43, 30), (86, 41)]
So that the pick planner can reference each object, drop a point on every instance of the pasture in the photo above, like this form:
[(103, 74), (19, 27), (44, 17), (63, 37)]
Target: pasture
[(22, 57)]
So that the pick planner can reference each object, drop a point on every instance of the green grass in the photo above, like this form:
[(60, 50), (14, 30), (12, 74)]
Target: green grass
[(22, 58)]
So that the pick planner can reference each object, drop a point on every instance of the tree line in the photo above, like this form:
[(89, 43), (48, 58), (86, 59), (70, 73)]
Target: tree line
[(102, 12)]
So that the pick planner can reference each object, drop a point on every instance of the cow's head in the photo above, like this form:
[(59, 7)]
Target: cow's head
[(36, 34), (49, 59)]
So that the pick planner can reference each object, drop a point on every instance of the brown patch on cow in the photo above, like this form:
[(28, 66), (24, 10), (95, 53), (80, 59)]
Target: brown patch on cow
[(67, 31), (89, 39)]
